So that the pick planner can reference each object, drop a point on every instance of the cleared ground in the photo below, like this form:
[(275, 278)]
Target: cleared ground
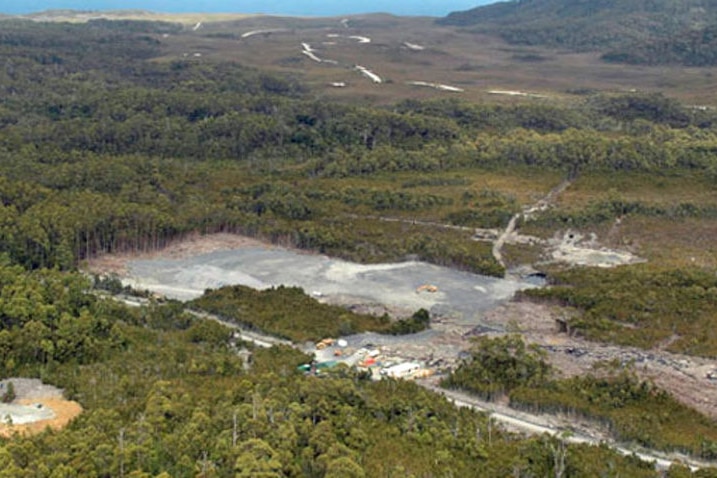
[(460, 296), (36, 407), (463, 306)]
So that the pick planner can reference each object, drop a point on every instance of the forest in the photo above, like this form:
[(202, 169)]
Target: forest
[(107, 146), (165, 394), (290, 313), (645, 32), (192, 146)]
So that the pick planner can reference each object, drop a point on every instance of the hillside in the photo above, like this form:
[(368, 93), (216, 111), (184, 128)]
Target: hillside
[(633, 31)]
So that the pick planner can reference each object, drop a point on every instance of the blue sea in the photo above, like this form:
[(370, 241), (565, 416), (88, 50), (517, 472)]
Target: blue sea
[(281, 7)]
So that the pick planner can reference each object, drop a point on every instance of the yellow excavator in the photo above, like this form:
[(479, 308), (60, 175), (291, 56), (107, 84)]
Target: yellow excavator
[(426, 288)]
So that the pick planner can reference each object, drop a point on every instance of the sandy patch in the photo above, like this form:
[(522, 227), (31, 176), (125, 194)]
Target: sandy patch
[(64, 411), (188, 246), (576, 249), (36, 407)]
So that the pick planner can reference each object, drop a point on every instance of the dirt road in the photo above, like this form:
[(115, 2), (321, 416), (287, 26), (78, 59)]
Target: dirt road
[(541, 205), (541, 424)]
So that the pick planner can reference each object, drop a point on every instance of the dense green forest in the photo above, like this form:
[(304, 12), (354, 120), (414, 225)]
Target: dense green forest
[(289, 313), (166, 394), (108, 146), (629, 31)]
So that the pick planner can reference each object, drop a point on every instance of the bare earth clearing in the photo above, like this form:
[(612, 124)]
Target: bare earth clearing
[(683, 376), (190, 246), (36, 407)]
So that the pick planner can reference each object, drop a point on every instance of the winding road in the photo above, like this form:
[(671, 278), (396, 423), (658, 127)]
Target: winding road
[(541, 205)]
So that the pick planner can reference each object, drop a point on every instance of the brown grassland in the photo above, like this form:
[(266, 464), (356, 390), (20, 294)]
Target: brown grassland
[(453, 56), (477, 64)]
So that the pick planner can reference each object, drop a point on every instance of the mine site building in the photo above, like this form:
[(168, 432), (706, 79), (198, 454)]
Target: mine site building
[(402, 370)]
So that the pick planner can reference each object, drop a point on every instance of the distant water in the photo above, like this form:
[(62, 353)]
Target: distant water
[(436, 8)]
